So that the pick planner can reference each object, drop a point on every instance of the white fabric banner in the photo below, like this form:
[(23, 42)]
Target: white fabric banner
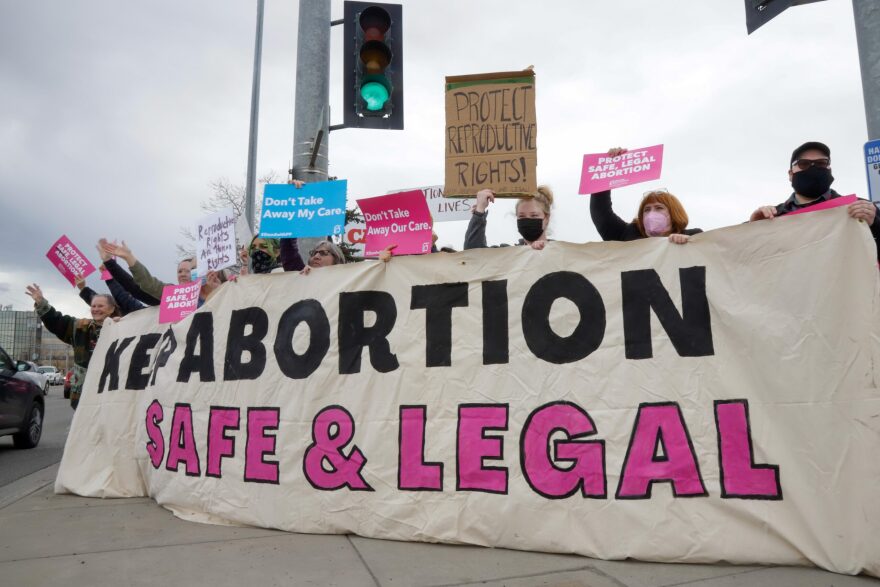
[(714, 401)]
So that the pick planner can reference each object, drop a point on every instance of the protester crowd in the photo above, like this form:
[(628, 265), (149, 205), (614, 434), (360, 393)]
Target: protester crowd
[(660, 214)]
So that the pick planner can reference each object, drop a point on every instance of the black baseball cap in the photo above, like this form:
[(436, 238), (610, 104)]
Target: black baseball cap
[(810, 146)]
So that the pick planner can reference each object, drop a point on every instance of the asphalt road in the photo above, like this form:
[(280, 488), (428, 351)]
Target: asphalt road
[(15, 463)]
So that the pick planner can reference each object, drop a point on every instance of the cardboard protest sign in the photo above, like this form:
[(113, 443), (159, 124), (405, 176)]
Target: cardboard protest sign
[(314, 210), (69, 260), (444, 209), (215, 241), (179, 301), (615, 400), (397, 219), (826, 205), (491, 134), (601, 172)]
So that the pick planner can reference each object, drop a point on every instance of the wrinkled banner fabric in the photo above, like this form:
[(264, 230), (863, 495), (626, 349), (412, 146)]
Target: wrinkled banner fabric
[(716, 401)]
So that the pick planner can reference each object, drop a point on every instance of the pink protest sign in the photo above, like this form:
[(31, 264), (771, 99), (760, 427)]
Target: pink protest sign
[(179, 301), (826, 205), (69, 260), (400, 219), (601, 172)]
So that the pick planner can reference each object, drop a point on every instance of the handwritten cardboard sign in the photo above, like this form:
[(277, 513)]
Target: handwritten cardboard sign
[(179, 301), (444, 209), (601, 172), (314, 210), (69, 260), (491, 134), (826, 205), (397, 219)]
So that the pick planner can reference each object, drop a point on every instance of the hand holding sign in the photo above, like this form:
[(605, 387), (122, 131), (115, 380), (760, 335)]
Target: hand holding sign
[(620, 167)]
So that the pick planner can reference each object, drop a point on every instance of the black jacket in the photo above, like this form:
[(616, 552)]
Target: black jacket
[(612, 227)]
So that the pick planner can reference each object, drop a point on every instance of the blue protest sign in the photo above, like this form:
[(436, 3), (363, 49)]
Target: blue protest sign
[(872, 166), (314, 210)]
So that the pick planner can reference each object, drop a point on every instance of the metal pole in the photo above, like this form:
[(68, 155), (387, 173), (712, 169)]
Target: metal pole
[(250, 192), (867, 18), (312, 110)]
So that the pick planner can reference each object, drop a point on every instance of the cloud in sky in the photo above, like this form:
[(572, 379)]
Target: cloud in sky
[(114, 118)]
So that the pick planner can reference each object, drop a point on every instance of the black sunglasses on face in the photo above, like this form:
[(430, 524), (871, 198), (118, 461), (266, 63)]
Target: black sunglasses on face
[(319, 252), (803, 164)]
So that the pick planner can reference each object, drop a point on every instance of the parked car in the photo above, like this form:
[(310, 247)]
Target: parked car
[(51, 373), (67, 384), (31, 370), (21, 403)]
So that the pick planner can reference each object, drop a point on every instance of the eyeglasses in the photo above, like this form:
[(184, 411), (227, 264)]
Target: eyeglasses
[(657, 191), (803, 164), (320, 253)]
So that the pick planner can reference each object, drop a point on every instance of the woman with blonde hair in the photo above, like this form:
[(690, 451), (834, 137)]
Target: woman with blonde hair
[(532, 219), (660, 214)]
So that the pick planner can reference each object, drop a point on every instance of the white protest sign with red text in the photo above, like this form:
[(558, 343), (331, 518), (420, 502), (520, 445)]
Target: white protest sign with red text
[(355, 234), (601, 172), (179, 301), (397, 219), (69, 260)]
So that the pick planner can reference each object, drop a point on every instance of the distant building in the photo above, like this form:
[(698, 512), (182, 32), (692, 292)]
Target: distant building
[(21, 334), (55, 352)]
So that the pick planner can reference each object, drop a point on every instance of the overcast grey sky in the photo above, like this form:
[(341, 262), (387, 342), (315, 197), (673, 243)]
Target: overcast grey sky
[(115, 116)]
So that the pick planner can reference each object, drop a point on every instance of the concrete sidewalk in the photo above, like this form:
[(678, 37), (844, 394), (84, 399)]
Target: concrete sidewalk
[(50, 539)]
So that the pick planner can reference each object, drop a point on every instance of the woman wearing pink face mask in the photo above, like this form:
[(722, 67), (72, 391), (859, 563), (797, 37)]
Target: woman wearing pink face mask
[(660, 214)]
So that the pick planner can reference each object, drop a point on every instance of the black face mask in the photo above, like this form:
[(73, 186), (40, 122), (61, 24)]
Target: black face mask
[(530, 228), (262, 262), (812, 182)]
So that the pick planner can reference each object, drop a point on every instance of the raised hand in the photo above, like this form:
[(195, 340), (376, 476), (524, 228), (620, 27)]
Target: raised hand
[(105, 256), (484, 198), (35, 292)]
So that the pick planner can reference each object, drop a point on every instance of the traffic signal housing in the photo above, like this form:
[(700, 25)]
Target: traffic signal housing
[(373, 47)]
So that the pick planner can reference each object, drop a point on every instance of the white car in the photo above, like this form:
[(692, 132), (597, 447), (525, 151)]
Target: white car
[(32, 372), (51, 373)]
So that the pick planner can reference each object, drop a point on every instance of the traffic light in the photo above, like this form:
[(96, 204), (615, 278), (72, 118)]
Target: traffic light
[(760, 12), (373, 65)]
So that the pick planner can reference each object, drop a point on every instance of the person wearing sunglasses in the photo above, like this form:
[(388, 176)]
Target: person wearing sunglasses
[(660, 214), (810, 175)]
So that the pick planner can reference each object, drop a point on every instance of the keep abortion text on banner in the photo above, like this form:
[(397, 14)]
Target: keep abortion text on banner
[(711, 401)]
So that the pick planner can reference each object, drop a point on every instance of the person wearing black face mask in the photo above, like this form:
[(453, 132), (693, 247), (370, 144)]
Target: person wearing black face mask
[(811, 179), (261, 256), (532, 219)]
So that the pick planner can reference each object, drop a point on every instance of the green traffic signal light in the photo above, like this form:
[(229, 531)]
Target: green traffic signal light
[(375, 95), (376, 91)]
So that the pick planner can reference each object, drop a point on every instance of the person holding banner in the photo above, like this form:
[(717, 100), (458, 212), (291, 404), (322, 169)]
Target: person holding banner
[(81, 334), (532, 219), (660, 214), (810, 175), (324, 254)]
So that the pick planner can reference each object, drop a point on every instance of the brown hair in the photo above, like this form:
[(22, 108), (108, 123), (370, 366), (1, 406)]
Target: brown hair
[(543, 198), (677, 216)]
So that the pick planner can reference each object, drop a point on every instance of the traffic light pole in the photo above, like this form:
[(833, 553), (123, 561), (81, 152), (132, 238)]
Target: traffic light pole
[(250, 189), (312, 108), (867, 19)]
